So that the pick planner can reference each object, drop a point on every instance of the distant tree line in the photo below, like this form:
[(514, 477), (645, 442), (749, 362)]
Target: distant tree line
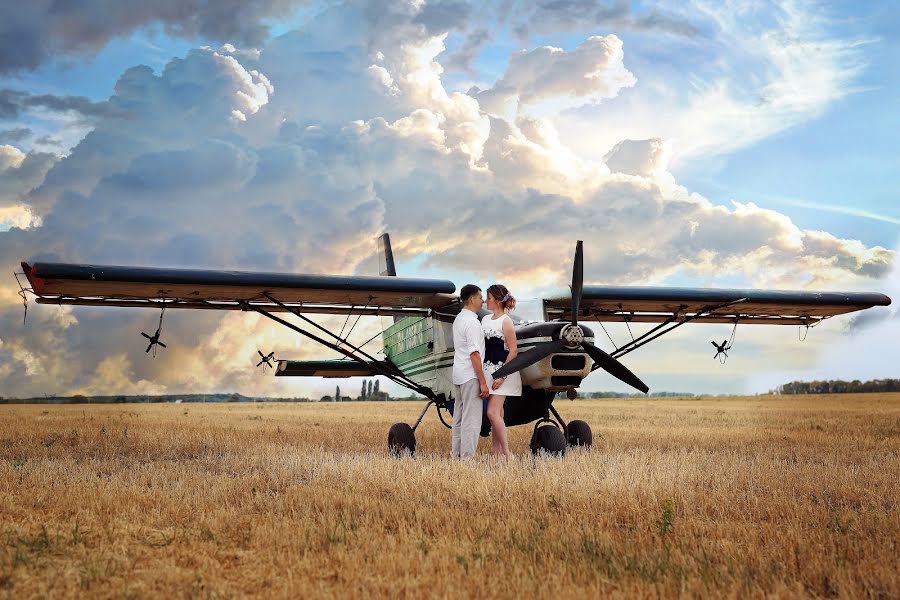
[(628, 395), (839, 386)]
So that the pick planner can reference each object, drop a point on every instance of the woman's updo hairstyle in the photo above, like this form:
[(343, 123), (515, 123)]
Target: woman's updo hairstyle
[(501, 294)]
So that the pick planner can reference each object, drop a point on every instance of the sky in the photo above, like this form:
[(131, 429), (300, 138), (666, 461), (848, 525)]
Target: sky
[(711, 144)]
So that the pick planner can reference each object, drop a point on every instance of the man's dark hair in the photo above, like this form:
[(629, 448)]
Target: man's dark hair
[(468, 291)]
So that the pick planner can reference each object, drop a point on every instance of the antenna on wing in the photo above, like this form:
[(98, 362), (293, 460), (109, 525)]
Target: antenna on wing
[(154, 339)]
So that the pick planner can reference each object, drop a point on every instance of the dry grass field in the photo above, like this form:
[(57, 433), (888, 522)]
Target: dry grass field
[(736, 497)]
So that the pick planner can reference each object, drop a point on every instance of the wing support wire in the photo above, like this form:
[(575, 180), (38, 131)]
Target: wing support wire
[(676, 320), (23, 294), (355, 353)]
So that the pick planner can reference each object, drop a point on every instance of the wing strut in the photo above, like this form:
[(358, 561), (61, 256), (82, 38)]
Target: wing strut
[(395, 376), (654, 333)]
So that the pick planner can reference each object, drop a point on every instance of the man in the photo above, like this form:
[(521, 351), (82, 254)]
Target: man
[(468, 374)]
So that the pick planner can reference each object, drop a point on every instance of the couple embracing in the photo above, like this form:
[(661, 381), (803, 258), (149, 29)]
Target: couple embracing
[(480, 348)]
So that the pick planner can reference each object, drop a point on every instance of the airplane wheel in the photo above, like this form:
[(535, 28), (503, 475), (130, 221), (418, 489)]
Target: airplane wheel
[(549, 440), (579, 434), (401, 439)]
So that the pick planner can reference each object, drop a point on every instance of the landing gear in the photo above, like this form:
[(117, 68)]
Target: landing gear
[(401, 439), (578, 434), (548, 438)]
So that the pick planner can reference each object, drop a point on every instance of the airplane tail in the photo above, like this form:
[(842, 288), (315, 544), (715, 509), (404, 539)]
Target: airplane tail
[(386, 267), (386, 256)]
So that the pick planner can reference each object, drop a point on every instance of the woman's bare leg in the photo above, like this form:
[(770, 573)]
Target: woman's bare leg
[(499, 437)]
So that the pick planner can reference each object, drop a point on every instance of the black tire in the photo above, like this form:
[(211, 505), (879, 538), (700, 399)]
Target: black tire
[(401, 439), (578, 434), (549, 440)]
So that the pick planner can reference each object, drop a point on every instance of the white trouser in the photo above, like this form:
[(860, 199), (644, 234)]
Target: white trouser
[(467, 411)]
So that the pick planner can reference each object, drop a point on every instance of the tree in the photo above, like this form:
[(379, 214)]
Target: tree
[(375, 392), (362, 394), (337, 394)]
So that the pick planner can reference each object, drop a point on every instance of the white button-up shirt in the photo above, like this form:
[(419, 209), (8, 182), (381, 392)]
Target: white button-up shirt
[(468, 337)]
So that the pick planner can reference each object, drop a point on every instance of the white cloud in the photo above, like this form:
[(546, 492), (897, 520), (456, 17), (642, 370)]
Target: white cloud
[(19, 173), (647, 158), (591, 72)]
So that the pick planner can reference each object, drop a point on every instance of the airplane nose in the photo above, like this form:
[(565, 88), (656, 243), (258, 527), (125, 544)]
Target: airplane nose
[(572, 335)]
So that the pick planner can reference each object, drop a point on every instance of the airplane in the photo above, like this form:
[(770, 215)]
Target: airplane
[(555, 355)]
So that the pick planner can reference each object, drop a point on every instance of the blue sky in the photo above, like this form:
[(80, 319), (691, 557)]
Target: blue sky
[(846, 159), (759, 150)]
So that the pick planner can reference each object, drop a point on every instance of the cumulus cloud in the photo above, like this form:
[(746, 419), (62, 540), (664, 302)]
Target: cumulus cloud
[(204, 95), (20, 172), (592, 71), (35, 32), (328, 153), (639, 157)]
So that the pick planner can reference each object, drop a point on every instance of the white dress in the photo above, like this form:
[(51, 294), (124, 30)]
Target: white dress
[(495, 352)]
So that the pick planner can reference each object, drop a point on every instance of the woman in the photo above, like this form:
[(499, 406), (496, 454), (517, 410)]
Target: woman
[(499, 348)]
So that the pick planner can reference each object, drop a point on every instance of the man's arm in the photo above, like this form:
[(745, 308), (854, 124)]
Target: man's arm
[(471, 331), (479, 373)]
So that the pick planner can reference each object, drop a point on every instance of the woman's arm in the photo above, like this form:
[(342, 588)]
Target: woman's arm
[(509, 333)]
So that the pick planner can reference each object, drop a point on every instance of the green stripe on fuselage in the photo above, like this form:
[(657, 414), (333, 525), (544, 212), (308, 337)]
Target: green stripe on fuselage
[(427, 367)]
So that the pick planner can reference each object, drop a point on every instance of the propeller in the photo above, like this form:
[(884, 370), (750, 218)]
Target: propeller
[(721, 348), (154, 341), (572, 336), (266, 359), (577, 286), (614, 367)]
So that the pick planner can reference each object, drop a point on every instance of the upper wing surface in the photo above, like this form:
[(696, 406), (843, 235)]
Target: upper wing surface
[(666, 304), (58, 283)]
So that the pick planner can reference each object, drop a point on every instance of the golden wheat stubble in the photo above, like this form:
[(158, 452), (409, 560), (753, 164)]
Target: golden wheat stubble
[(734, 497)]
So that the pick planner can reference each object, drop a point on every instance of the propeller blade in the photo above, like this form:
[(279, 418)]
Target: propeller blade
[(529, 357), (145, 335), (577, 281), (260, 362), (147, 351), (714, 344), (161, 344), (614, 367), (260, 354)]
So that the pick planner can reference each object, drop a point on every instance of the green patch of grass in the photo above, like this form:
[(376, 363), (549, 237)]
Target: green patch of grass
[(667, 518)]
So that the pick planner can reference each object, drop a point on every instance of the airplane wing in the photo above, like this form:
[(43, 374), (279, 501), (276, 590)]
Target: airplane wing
[(702, 305), (330, 368), (100, 285)]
